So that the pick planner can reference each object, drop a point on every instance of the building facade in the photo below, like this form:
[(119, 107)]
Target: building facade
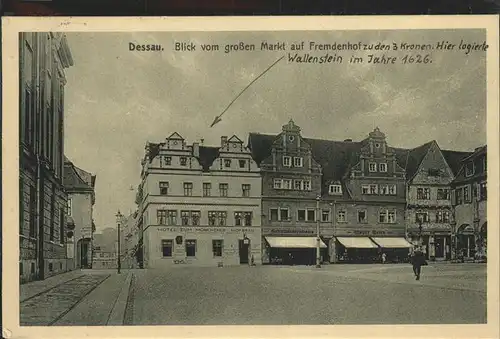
[(469, 196), (199, 205), (42, 226), (80, 187)]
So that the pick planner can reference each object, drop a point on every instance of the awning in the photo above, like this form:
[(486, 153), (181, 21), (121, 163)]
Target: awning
[(356, 242), (294, 242), (392, 242)]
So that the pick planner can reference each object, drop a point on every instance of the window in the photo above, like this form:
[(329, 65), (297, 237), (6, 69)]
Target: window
[(335, 189), (183, 161), (207, 187), (423, 193), (52, 214), (311, 215), (221, 218), (238, 218), (387, 216), (161, 216), (32, 268), (372, 167), (217, 246), (167, 161), (246, 190), (195, 218), (212, 218), (362, 219), (171, 218), (469, 169), (227, 163), (188, 189), (443, 194), (297, 184), (467, 194), (185, 216), (373, 189), (163, 188), (459, 196), (325, 215), (392, 189), (277, 183), (382, 217), (51, 266), (482, 191), (341, 216), (439, 216), (284, 216), (242, 163), (301, 215), (421, 216), (307, 185), (287, 184), (433, 172), (365, 189), (287, 161), (248, 218), (166, 247), (70, 207), (382, 167), (391, 217), (273, 214), (446, 216), (190, 248), (61, 226), (223, 190), (298, 161), (383, 189), (28, 99)]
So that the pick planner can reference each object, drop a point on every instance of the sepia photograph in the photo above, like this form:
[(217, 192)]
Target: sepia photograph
[(328, 176)]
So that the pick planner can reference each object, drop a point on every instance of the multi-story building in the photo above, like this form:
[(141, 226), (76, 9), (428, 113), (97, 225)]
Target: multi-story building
[(353, 190), (470, 200), (429, 212), (42, 235), (199, 205), (80, 187)]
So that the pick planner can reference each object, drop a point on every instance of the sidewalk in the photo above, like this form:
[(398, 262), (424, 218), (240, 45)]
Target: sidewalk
[(33, 288)]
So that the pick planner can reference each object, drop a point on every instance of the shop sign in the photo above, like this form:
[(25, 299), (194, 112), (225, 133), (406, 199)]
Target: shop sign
[(294, 230), (206, 229), (371, 233)]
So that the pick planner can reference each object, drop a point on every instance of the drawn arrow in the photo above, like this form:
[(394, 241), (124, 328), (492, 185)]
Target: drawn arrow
[(218, 118)]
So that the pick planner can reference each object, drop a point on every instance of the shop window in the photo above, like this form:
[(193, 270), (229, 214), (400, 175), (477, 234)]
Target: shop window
[(166, 246), (163, 187), (217, 246), (207, 187), (362, 218), (223, 188), (190, 248), (301, 215)]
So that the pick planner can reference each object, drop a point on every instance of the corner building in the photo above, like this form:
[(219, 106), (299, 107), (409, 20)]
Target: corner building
[(198, 205)]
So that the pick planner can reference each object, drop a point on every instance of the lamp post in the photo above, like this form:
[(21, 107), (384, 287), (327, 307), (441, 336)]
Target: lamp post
[(119, 221), (420, 238), (318, 240)]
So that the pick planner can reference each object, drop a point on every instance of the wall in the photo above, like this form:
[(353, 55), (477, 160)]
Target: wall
[(81, 212)]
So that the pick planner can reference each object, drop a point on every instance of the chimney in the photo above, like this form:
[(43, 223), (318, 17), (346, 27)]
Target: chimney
[(223, 141), (348, 140), (196, 149)]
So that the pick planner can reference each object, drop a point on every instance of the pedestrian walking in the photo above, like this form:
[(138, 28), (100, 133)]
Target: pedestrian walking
[(384, 257), (417, 261)]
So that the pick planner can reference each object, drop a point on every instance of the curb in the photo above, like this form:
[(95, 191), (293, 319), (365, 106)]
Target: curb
[(116, 317)]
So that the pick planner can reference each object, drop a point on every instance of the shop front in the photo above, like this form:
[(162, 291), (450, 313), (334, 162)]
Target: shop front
[(397, 250), (202, 246), (465, 242), (356, 250)]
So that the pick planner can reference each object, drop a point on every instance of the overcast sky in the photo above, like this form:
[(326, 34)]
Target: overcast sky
[(117, 100)]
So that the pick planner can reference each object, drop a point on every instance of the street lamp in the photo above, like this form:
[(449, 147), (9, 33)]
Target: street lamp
[(119, 221), (318, 240), (420, 221)]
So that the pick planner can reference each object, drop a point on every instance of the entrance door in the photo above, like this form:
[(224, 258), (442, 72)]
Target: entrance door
[(243, 250), (84, 260), (439, 247)]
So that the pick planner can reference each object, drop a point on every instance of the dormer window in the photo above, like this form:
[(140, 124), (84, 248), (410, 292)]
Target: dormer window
[(298, 161), (183, 161), (227, 162), (335, 189), (372, 167), (469, 169), (382, 167), (287, 162)]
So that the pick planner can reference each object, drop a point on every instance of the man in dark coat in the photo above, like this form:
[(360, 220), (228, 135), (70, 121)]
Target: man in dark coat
[(418, 259)]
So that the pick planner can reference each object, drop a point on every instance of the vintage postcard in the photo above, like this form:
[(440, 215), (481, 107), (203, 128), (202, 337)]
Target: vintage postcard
[(165, 174)]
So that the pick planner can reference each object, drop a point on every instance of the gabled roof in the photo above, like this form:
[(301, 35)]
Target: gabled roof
[(234, 138), (175, 136), (454, 159), (72, 177), (415, 157)]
